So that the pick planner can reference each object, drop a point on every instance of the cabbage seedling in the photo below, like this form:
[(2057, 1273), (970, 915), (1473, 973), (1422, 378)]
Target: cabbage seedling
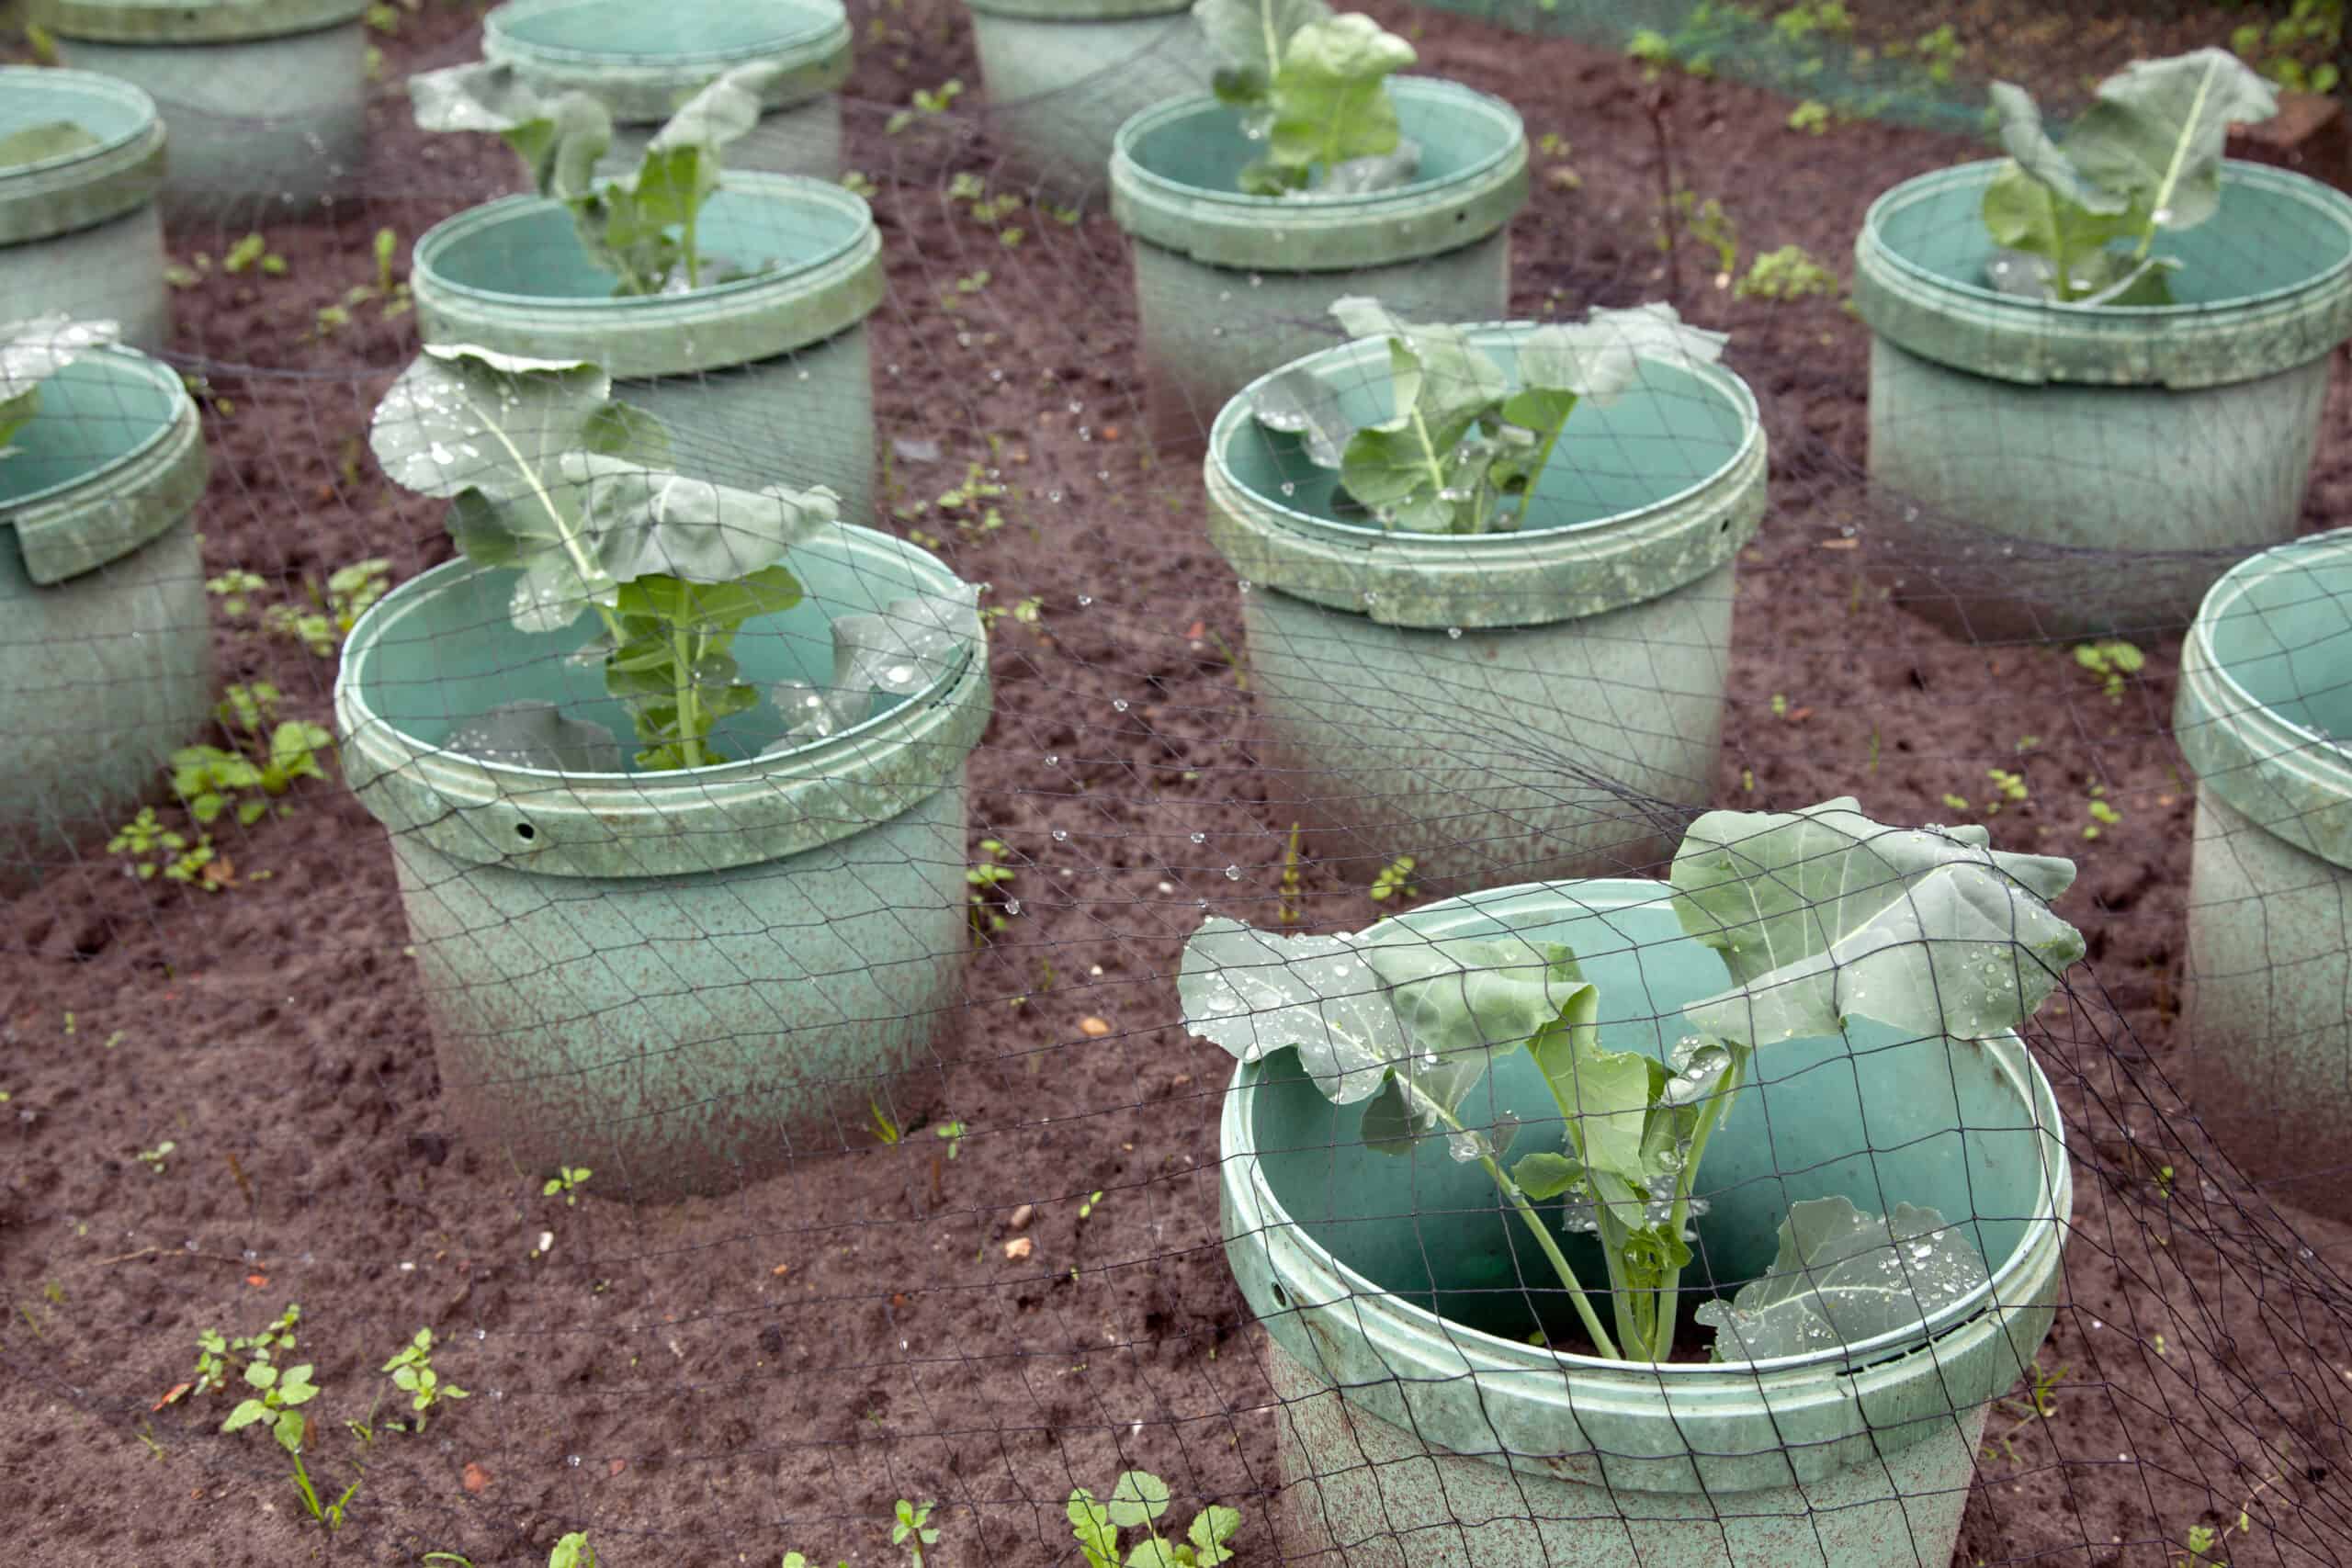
[(1818, 916), (2145, 156), (627, 223), (1466, 449), (1314, 87)]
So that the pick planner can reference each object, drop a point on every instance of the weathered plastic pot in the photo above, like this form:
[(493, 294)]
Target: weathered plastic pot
[(2263, 715), (643, 61), (1496, 705), (1063, 76), (106, 642), (266, 99), (683, 978), (760, 382), (1229, 286), (1416, 1425), (2067, 470), (81, 232)]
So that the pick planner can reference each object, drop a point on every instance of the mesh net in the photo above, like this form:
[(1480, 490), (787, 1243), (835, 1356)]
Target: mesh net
[(824, 1148)]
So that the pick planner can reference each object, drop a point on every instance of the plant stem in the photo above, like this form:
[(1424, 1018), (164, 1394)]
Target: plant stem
[(1535, 469), (1726, 1089), (1273, 43), (2180, 155), (1517, 1199), (302, 1483), (693, 252), (682, 657), (1429, 458)]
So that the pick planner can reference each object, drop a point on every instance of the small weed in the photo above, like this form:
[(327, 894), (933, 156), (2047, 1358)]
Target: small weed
[(2011, 786), (1707, 222), (253, 254), (971, 283), (2164, 1183), (321, 628), (1811, 117), (267, 761), (2112, 662), (153, 1158), (954, 1133), (383, 291), (2102, 814), (568, 1179), (2202, 1548), (573, 1551), (1137, 1499), (276, 1401), (150, 848), (1395, 880), (925, 104), (987, 904), (1810, 17), (1289, 901), (884, 1128), (859, 186), (1789, 273), (912, 1530), (413, 1374), (1942, 52), (1090, 1203), (234, 588)]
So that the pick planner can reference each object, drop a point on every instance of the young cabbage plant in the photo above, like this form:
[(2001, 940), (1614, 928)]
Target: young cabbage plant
[(30, 353), (2077, 221), (641, 227), (547, 473), (1314, 87), (1467, 443), (1819, 916)]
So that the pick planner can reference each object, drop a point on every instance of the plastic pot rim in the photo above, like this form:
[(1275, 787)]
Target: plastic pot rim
[(55, 194), (158, 478)]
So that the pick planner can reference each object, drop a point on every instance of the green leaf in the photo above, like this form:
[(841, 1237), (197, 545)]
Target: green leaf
[(534, 733), (41, 142), (911, 645), (2157, 132), (1843, 1276), (2028, 141), (288, 1430), (1329, 96), (559, 140), (30, 352), (1823, 914), (463, 418), (1302, 403), (1600, 358), (1137, 1498), (1464, 1001), (637, 521), (246, 1413), (1253, 992), (726, 110), (1246, 37), (1604, 1096), (1544, 1176), (1211, 1528)]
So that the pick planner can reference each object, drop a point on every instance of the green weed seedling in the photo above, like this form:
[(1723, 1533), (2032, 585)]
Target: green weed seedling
[(150, 848), (218, 1355), (985, 876), (278, 1401), (269, 757), (385, 290), (884, 1128), (912, 1530), (1088, 1204), (1395, 881), (153, 1158), (413, 1374), (2113, 661), (2298, 50), (1789, 273), (923, 104), (322, 627), (234, 589), (573, 1551), (954, 1133), (253, 254), (860, 185), (2201, 1549), (1290, 899), (1137, 1500), (1811, 117), (1707, 222), (568, 1180)]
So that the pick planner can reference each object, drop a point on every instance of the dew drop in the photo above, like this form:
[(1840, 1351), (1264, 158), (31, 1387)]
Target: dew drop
[(1233, 873), (1454, 632), (1013, 906), (1061, 835), (1084, 600), (1199, 838), (1118, 705)]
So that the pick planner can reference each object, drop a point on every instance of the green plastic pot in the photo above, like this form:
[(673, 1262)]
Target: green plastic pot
[(81, 232), (643, 61), (1496, 705), (1229, 286), (105, 641), (1063, 76), (683, 979), (760, 382), (2099, 467), (1418, 1425), (266, 99), (2264, 716)]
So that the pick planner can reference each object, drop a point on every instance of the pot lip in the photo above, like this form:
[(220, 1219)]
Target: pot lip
[(1079, 13), (1238, 411), (137, 363), (2208, 681), (1605, 895), (823, 20), (1148, 183), (91, 83), (780, 189), (2283, 181), (412, 595)]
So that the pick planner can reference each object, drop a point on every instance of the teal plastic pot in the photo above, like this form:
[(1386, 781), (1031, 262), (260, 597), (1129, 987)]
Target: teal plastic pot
[(1229, 286), (760, 382), (1417, 1425), (2064, 470), (1063, 76), (643, 61), (81, 232), (266, 99), (106, 642), (1496, 705), (683, 979), (2264, 716)]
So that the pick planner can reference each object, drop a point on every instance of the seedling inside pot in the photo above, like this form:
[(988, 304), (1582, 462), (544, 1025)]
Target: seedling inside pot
[(1314, 87), (1137, 1499), (31, 352), (551, 476), (1465, 450), (2146, 156), (1818, 915), (643, 227), (39, 144)]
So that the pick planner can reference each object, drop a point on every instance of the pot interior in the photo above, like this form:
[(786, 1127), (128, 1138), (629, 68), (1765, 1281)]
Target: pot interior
[(2262, 240), (1673, 431), (2284, 635), (1877, 1117), (1205, 148), (630, 30), (452, 654), (96, 410), (112, 116), (529, 250)]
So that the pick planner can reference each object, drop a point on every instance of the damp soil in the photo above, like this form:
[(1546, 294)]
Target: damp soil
[(992, 1321)]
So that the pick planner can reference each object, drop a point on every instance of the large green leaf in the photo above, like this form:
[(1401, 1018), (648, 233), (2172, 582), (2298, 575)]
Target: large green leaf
[(1823, 914), (907, 647), (462, 418), (726, 110), (37, 143), (1604, 1096), (559, 139), (2027, 141), (1600, 358), (1843, 1277), (639, 521), (1464, 1001), (2158, 129), (1331, 95), (1253, 992), (33, 350), (1245, 39)]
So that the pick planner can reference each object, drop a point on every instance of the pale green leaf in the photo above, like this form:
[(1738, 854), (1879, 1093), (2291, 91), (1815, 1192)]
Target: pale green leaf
[(1253, 992), (39, 144), (1137, 1497), (1842, 1277)]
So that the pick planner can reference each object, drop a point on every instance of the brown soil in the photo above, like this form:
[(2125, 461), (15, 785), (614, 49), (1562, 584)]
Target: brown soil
[(727, 1379)]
